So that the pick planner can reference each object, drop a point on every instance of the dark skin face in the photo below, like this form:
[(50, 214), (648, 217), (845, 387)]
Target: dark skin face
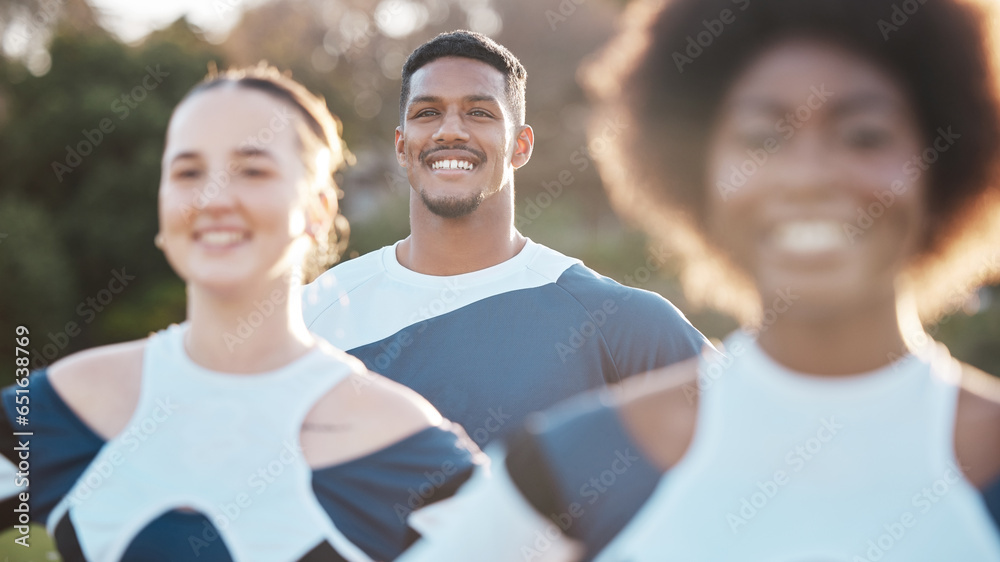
[(458, 112), (833, 132), (460, 145), (785, 228)]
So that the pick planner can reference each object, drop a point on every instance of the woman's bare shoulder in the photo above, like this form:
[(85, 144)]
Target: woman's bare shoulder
[(659, 410), (977, 426), (362, 414), (101, 385)]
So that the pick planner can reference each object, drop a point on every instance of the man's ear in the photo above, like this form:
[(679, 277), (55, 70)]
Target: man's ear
[(522, 150), (400, 147)]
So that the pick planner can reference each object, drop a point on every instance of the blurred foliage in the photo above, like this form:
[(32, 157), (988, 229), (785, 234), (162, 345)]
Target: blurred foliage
[(80, 151), (68, 230)]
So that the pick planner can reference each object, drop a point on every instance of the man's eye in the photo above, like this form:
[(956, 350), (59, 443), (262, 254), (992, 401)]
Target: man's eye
[(426, 113), (479, 113)]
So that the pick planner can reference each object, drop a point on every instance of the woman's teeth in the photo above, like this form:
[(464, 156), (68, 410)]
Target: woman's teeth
[(221, 237), (809, 236)]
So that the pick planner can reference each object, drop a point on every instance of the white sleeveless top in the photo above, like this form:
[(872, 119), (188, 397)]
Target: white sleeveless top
[(224, 445), (788, 467)]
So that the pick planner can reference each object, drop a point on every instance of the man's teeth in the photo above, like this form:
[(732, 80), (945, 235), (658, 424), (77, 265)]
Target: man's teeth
[(452, 165), (221, 237), (810, 236)]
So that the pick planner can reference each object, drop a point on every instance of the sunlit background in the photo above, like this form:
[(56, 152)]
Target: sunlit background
[(78, 204), (76, 207)]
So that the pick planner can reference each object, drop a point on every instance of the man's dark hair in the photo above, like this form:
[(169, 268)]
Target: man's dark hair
[(669, 69), (470, 45)]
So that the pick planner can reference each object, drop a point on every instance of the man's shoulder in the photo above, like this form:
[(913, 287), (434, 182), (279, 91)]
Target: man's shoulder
[(596, 291), (340, 280)]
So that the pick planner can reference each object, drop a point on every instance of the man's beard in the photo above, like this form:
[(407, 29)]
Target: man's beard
[(452, 207)]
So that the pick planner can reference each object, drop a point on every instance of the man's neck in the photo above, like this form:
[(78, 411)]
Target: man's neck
[(442, 246)]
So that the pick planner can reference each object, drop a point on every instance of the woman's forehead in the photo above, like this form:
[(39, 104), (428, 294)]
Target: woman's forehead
[(797, 70), (229, 117)]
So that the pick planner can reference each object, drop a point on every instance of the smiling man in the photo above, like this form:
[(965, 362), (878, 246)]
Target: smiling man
[(486, 324)]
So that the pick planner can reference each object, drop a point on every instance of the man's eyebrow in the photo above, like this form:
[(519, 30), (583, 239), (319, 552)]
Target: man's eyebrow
[(424, 99), (470, 98), (482, 97)]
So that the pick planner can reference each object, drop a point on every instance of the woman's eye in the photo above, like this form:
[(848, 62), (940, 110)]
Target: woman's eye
[(187, 174), (756, 139)]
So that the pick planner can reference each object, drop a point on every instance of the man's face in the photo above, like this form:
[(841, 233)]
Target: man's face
[(459, 141)]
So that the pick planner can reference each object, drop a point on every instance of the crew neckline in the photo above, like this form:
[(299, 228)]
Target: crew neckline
[(176, 334), (515, 263), (767, 369)]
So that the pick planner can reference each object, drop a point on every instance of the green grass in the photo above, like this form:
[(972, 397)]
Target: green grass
[(40, 547)]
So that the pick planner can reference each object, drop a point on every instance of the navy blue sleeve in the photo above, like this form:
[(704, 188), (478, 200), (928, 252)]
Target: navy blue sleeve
[(642, 330), (370, 498), (578, 466), (61, 448), (991, 495)]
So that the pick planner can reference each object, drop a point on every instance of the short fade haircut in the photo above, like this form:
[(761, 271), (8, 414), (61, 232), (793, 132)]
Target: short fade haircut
[(470, 45), (655, 172)]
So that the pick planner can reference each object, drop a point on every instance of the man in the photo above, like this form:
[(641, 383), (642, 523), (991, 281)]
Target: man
[(486, 324)]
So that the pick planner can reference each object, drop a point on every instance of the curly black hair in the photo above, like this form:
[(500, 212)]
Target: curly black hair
[(471, 45), (669, 68)]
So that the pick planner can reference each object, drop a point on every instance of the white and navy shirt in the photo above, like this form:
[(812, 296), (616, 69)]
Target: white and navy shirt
[(210, 468), (782, 467), (489, 347)]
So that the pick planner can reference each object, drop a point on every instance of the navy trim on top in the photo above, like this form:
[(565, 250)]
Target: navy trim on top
[(360, 496), (579, 467)]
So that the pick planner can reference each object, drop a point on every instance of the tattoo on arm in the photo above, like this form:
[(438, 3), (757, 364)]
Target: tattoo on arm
[(324, 427)]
